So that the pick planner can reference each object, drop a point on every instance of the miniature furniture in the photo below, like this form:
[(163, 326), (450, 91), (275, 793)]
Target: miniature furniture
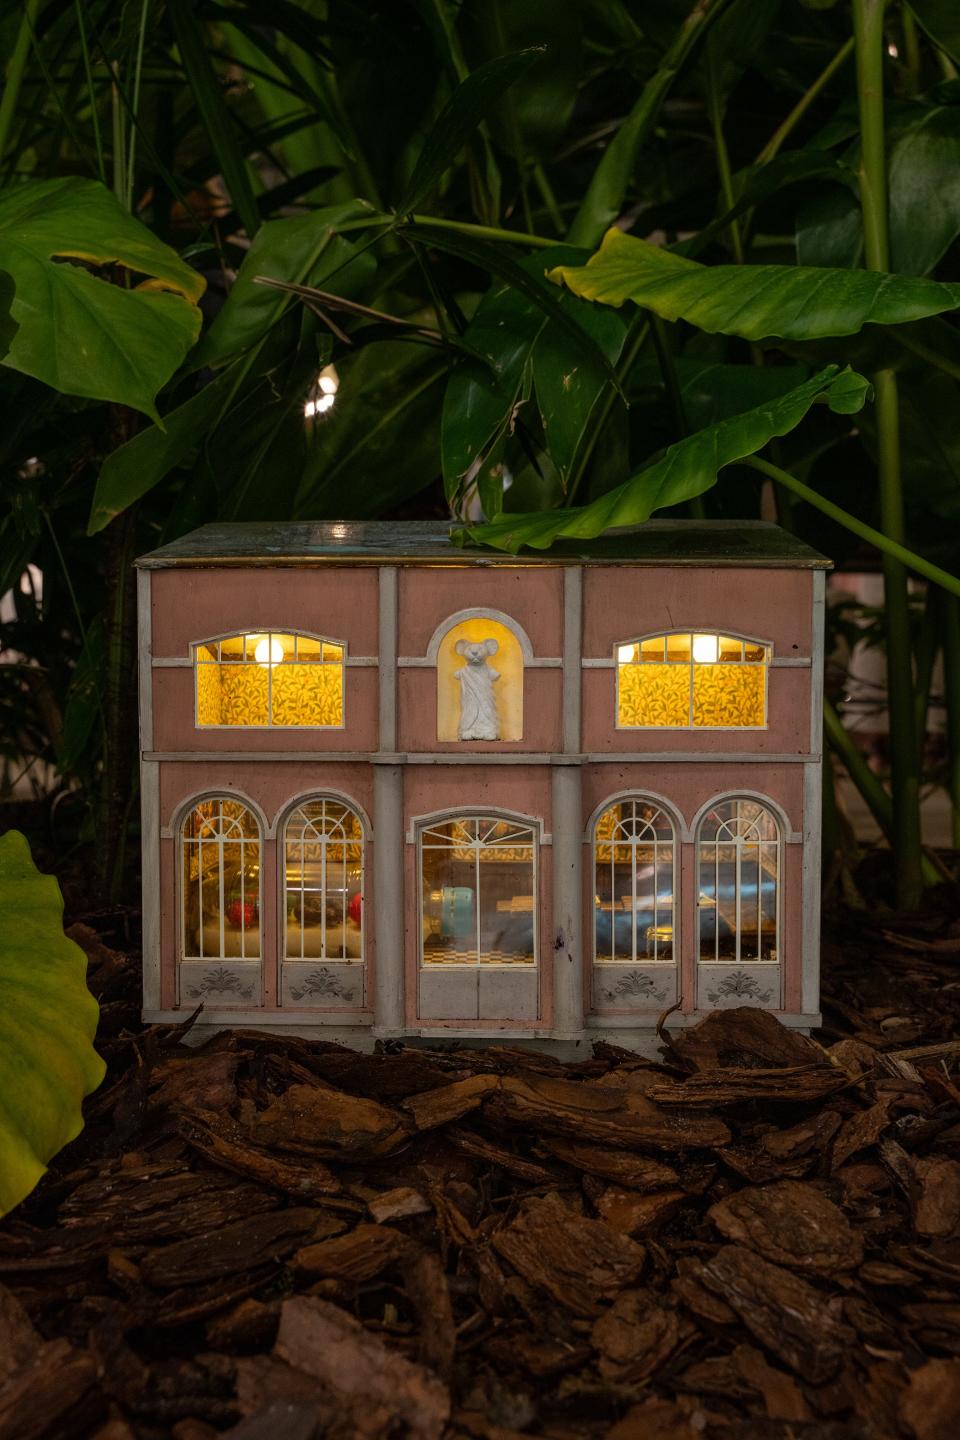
[(391, 787)]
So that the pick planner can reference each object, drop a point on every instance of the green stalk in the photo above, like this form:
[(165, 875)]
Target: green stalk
[(787, 126), (928, 643), (871, 790), (715, 110), (135, 105), (88, 71), (16, 66), (893, 548), (905, 769), (602, 203), (950, 612)]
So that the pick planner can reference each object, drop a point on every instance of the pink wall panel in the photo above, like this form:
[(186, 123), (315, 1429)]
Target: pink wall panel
[(770, 605), (417, 718), (174, 716), (191, 604), (532, 597), (689, 786), (787, 732)]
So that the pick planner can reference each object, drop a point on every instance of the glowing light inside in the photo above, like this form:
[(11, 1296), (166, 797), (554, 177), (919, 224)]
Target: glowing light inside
[(268, 650), (625, 654), (706, 649)]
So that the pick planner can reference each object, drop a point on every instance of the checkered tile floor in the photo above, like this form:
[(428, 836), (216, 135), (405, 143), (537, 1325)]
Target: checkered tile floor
[(449, 956)]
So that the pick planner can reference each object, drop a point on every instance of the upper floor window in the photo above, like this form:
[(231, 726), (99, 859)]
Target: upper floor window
[(692, 680), (269, 678)]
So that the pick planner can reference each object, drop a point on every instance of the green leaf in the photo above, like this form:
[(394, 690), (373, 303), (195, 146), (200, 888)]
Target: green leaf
[(789, 302), (303, 249), (136, 467), (941, 20), (48, 1020), (8, 326), (208, 94), (470, 103), (924, 183), (78, 332), (608, 186), (687, 469)]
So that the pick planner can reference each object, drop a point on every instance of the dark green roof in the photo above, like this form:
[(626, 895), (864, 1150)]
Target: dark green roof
[(733, 543)]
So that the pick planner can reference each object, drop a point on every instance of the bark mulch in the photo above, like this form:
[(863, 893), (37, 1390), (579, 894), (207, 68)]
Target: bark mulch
[(278, 1239)]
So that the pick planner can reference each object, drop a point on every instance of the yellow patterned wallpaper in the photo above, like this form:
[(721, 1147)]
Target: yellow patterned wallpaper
[(279, 692), (724, 693)]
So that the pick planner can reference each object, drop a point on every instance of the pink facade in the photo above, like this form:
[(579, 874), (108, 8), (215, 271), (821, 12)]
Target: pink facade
[(366, 877)]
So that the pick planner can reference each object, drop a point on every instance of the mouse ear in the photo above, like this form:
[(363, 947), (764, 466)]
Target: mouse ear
[(461, 647), (491, 646)]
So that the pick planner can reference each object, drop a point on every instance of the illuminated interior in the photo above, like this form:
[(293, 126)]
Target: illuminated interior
[(221, 882), (269, 678), (738, 859), (633, 883), (323, 878), (478, 892), (508, 690), (685, 681)]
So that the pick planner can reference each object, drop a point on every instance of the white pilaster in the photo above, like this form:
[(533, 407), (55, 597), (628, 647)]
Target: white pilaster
[(389, 909)]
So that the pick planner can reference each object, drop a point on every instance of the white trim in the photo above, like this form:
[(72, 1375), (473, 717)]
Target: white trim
[(631, 792), (784, 662), (470, 812), (177, 662), (144, 665), (788, 835), (818, 621), (811, 883), (302, 797), (480, 757), (150, 882), (536, 662), (216, 792), (478, 612), (389, 895)]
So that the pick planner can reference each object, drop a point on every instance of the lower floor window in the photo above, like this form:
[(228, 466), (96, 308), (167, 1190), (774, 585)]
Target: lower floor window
[(633, 854), (323, 882), (738, 863), (478, 892), (221, 882)]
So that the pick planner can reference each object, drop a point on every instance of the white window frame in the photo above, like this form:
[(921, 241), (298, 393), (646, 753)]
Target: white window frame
[(527, 823), (738, 841), (633, 842), (219, 840), (692, 630), (268, 634), (324, 841)]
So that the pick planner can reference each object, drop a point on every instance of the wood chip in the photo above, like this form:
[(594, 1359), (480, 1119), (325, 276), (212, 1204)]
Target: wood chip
[(790, 1223), (579, 1262)]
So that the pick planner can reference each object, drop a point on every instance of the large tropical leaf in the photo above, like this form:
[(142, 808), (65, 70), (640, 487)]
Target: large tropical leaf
[(470, 103), (525, 353), (687, 469), (48, 1020), (79, 332), (301, 249), (789, 302), (924, 185)]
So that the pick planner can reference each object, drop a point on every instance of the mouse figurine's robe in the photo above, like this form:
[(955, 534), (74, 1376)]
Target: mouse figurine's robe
[(478, 704)]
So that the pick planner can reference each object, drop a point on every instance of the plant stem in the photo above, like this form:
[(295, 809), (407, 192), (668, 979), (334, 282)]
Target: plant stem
[(950, 620), (14, 73), (715, 110), (905, 557), (871, 790), (928, 643), (485, 232), (135, 105), (598, 418), (787, 126), (905, 769), (91, 91)]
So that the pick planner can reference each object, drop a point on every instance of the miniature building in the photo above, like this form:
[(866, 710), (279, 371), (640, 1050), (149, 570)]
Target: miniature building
[(396, 788)]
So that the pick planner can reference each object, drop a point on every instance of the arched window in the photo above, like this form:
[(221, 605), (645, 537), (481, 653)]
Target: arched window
[(269, 678), (221, 894), (634, 860), (692, 681), (739, 866), (323, 882), (478, 892)]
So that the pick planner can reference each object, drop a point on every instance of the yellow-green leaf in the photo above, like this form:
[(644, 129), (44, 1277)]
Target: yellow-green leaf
[(86, 333), (789, 302), (48, 1020)]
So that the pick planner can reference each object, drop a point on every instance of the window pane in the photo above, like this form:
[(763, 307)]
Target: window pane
[(221, 882), (739, 869), (634, 859), (324, 882), (506, 906), (728, 695), (688, 680), (269, 678), (654, 695), (478, 892)]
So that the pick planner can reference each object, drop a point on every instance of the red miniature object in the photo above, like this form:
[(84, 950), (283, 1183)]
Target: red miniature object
[(242, 913), (355, 908)]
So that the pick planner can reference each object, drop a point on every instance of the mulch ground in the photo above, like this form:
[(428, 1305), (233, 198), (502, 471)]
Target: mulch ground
[(275, 1239)]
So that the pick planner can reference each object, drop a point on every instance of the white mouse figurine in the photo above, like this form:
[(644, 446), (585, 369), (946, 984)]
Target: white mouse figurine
[(478, 704)]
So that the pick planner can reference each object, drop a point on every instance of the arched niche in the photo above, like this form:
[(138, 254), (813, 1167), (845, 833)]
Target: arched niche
[(496, 687)]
